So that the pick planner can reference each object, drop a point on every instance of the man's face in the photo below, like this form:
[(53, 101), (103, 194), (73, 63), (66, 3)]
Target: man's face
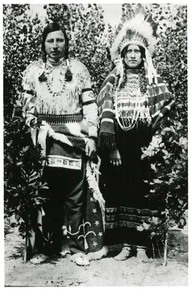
[(133, 56), (55, 45)]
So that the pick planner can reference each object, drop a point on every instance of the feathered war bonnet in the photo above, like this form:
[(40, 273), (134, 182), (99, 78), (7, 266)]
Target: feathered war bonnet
[(138, 28)]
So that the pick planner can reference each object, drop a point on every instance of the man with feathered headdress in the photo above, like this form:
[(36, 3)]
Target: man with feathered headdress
[(132, 101)]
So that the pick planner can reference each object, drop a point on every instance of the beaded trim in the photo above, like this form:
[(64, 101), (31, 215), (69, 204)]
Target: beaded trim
[(64, 162)]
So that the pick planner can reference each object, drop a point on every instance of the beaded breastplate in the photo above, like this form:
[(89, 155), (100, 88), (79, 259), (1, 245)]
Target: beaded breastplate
[(131, 105)]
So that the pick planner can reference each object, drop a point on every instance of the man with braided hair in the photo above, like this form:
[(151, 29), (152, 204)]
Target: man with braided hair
[(132, 101), (61, 112)]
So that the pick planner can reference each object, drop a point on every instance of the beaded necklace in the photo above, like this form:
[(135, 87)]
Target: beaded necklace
[(55, 73), (131, 104)]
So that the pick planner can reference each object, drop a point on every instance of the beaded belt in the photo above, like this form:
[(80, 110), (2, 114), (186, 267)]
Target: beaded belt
[(53, 119)]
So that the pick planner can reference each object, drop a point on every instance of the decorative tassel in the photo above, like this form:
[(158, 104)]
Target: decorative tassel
[(68, 74), (43, 77)]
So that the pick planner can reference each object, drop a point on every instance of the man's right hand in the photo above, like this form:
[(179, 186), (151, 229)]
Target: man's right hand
[(114, 157)]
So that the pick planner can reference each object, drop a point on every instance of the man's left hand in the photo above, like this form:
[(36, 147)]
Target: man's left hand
[(90, 148)]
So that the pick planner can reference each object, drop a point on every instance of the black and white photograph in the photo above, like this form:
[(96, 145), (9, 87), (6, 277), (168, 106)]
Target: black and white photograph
[(95, 144)]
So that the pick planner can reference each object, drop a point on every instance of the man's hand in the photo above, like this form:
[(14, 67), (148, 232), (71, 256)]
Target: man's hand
[(90, 148), (115, 157)]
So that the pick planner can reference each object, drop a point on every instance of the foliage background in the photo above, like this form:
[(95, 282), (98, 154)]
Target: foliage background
[(90, 38)]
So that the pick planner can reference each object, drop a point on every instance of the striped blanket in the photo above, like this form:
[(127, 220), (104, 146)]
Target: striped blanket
[(159, 102)]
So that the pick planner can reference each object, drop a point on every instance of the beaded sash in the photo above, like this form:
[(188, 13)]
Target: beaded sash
[(58, 154)]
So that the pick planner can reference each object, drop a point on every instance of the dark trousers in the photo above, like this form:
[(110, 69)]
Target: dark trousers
[(66, 206)]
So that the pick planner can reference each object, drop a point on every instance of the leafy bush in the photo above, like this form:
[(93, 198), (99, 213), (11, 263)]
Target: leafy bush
[(172, 167), (23, 173), (168, 152), (22, 161)]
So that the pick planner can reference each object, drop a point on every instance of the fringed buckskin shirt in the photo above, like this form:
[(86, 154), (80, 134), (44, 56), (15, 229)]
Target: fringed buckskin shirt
[(49, 98)]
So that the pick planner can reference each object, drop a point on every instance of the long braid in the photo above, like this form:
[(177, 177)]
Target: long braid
[(142, 80)]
